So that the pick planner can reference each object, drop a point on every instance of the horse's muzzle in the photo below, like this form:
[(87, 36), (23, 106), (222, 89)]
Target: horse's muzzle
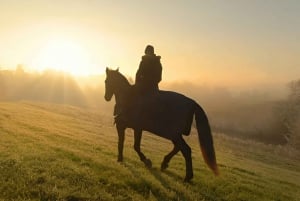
[(107, 98)]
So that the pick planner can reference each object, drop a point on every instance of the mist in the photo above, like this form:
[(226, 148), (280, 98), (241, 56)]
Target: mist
[(247, 114)]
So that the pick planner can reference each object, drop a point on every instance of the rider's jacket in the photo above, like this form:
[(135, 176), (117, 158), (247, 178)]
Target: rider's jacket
[(149, 73)]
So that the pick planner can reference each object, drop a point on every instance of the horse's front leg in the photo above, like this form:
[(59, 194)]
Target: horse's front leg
[(137, 148), (121, 135)]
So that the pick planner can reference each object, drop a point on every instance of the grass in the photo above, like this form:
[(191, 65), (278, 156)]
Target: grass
[(59, 152)]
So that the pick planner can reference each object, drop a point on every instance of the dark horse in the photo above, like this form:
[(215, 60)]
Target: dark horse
[(168, 115)]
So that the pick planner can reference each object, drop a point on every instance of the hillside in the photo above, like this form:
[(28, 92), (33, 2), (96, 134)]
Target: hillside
[(61, 152)]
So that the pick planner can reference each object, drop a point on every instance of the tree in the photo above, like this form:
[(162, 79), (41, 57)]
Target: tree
[(289, 115), (294, 100), (294, 95)]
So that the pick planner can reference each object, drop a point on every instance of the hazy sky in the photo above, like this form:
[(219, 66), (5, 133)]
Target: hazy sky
[(214, 42)]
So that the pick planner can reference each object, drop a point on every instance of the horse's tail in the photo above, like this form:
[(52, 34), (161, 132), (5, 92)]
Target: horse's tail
[(205, 139)]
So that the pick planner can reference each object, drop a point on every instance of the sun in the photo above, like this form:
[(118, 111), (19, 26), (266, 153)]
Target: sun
[(63, 55)]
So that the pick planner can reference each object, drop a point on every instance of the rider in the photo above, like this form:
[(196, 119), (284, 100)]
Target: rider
[(149, 73), (146, 86)]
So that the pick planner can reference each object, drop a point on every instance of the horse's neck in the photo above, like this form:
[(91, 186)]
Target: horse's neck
[(122, 94)]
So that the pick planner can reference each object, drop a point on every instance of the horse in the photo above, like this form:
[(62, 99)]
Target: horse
[(168, 114)]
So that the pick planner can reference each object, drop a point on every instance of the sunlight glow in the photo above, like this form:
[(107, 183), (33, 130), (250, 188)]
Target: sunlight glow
[(63, 55)]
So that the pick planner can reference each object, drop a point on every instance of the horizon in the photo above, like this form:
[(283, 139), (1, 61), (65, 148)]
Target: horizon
[(96, 81)]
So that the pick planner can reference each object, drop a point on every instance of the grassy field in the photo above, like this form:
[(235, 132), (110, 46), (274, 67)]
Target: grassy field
[(56, 152)]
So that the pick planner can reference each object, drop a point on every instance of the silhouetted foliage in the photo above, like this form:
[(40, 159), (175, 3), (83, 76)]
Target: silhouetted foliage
[(288, 114), (247, 114), (49, 86)]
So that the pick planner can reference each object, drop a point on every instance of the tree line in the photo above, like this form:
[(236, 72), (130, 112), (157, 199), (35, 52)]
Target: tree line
[(251, 116)]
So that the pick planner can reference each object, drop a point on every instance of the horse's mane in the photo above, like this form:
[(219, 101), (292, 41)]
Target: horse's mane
[(120, 76), (123, 78)]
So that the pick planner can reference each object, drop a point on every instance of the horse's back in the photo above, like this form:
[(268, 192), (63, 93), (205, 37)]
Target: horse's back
[(167, 113), (174, 98)]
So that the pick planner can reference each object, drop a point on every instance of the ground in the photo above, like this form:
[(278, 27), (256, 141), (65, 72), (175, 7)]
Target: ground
[(60, 152)]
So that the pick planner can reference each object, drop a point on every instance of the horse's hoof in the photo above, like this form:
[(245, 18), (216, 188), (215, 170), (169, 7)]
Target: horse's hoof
[(148, 163), (120, 160), (164, 166), (188, 179)]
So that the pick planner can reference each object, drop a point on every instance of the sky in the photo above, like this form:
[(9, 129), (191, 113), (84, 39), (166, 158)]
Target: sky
[(225, 43)]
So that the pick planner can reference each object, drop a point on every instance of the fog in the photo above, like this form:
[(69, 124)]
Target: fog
[(248, 113)]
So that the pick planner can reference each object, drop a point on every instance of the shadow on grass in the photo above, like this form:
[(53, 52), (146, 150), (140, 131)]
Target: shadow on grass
[(167, 185)]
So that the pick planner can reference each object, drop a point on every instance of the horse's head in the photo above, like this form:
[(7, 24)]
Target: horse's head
[(109, 84), (114, 83)]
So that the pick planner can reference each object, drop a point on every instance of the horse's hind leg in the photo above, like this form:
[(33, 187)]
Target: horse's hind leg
[(187, 153), (137, 148), (168, 157)]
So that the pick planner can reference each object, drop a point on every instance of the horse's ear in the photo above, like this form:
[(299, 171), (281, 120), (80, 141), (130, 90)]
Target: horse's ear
[(107, 69), (117, 69)]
